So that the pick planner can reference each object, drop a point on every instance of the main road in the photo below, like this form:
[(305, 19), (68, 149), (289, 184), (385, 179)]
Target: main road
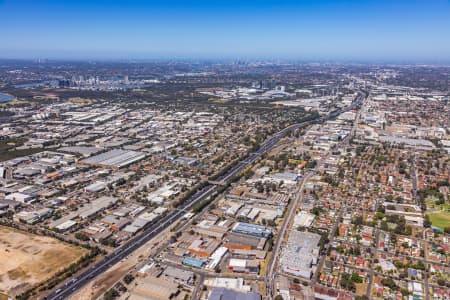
[(71, 286)]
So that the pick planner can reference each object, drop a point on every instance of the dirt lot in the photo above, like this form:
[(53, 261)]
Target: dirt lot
[(27, 259)]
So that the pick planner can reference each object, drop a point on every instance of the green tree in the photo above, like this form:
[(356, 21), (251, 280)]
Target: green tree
[(128, 278), (111, 294)]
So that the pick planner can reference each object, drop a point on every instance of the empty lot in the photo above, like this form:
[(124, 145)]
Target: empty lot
[(27, 259)]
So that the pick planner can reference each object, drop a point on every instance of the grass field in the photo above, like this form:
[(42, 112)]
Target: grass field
[(439, 213), (361, 288), (440, 219), (27, 259)]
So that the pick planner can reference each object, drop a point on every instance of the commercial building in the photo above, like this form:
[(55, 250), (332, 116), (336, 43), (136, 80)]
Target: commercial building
[(301, 253), (252, 230)]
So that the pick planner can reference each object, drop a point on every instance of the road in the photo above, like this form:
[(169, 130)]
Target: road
[(270, 276), (374, 255), (417, 200), (343, 209), (74, 284), (71, 286)]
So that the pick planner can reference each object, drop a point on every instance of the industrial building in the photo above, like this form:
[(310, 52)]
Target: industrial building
[(192, 262), (82, 150), (216, 257), (179, 275), (301, 253), (303, 219), (144, 219), (85, 212), (285, 177), (252, 230), (154, 288), (244, 266), (203, 247), (243, 241), (236, 284), (115, 159), (227, 294)]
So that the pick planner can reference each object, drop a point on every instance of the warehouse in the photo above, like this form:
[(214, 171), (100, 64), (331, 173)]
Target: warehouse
[(216, 257), (83, 150), (236, 284), (154, 288), (115, 223), (252, 230), (248, 254), (244, 266), (96, 206), (96, 187), (186, 277), (65, 226), (300, 254), (20, 197), (303, 219), (187, 161), (204, 247), (140, 222), (192, 262), (226, 294), (32, 217), (116, 158), (286, 177), (241, 241), (214, 231), (233, 209)]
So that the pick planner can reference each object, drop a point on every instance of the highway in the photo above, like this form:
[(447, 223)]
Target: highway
[(71, 286)]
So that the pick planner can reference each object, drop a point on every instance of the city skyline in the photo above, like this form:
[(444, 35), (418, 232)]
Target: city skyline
[(305, 30)]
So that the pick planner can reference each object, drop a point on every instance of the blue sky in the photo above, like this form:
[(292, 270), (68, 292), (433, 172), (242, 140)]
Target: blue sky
[(302, 29)]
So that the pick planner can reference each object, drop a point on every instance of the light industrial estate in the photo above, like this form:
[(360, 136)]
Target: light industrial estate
[(244, 180)]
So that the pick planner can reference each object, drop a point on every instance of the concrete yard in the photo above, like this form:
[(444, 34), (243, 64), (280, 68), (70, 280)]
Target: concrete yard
[(27, 259)]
